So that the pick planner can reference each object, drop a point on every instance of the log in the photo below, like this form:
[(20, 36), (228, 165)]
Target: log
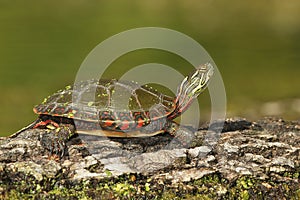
[(248, 160)]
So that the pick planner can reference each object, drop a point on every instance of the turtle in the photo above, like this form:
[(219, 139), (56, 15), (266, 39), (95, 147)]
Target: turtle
[(116, 108)]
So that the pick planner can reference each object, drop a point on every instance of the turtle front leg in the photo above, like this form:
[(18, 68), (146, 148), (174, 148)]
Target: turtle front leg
[(184, 135)]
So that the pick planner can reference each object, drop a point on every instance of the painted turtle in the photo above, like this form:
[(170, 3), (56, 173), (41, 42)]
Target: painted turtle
[(117, 108)]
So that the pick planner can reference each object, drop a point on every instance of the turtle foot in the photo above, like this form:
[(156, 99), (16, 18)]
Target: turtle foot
[(55, 140), (183, 138)]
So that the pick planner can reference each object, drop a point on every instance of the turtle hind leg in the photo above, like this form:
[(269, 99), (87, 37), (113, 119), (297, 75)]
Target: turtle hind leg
[(57, 132), (55, 140)]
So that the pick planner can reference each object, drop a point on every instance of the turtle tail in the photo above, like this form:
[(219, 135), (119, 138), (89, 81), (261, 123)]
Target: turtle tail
[(190, 88), (30, 126)]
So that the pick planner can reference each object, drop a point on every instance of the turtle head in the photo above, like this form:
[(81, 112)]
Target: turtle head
[(191, 87), (197, 82)]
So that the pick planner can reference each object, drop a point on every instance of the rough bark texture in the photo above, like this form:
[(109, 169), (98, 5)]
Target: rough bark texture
[(248, 160)]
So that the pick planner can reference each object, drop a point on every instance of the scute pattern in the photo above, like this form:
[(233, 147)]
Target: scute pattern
[(114, 105)]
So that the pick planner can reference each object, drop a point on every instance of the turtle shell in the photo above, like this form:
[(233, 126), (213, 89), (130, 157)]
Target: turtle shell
[(119, 106)]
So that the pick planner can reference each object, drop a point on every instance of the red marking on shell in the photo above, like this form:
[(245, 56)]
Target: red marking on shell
[(125, 125), (106, 119), (141, 119), (45, 123), (140, 123), (108, 123)]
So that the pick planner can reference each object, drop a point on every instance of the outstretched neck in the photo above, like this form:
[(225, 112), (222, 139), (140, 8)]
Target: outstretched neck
[(190, 88)]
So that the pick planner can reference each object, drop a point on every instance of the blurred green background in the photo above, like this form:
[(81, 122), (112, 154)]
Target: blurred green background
[(255, 45)]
